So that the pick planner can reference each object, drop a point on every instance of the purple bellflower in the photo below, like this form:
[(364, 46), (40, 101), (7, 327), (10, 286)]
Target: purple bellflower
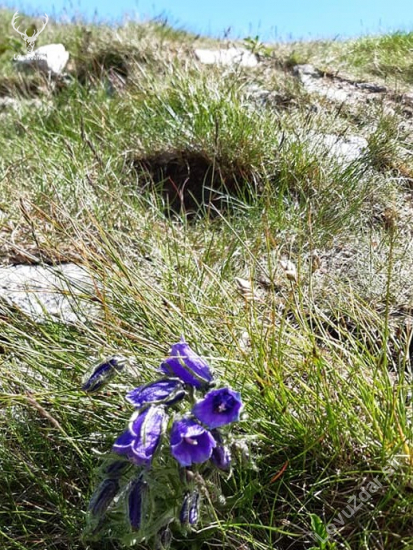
[(184, 363), (166, 392), (219, 407), (140, 440), (103, 372), (190, 442)]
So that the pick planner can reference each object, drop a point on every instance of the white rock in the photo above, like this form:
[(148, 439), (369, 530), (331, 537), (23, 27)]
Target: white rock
[(331, 93), (346, 149), (11, 104), (308, 70), (408, 99), (289, 269), (311, 79), (59, 293), (231, 56), (51, 58)]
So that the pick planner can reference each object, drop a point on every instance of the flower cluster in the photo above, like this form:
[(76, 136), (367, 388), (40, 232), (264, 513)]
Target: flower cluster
[(182, 402)]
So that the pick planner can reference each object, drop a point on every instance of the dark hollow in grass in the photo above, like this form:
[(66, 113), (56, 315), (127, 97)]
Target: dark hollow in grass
[(188, 180), (100, 65), (22, 86)]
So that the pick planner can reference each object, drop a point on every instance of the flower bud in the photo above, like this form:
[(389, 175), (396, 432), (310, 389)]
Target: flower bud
[(102, 373), (184, 513), (164, 539), (194, 508), (190, 508), (103, 496), (135, 502), (221, 455)]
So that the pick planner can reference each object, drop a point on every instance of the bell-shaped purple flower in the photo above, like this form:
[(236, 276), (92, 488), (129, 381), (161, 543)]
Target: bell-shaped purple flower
[(190, 442), (103, 496), (166, 392), (102, 373), (140, 440), (187, 365), (219, 407)]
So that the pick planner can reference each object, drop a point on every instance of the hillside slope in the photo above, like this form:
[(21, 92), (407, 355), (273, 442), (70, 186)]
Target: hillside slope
[(265, 213)]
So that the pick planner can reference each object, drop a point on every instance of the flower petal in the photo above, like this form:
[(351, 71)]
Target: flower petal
[(123, 441), (173, 367), (165, 391), (187, 365), (221, 457), (219, 407), (190, 442), (140, 441)]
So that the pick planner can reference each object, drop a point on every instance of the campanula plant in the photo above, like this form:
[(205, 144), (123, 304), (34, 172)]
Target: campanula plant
[(155, 485)]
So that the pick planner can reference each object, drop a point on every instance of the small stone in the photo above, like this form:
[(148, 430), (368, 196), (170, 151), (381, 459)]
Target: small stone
[(9, 103), (58, 293), (346, 149), (246, 290), (308, 70), (231, 56), (408, 99), (289, 269)]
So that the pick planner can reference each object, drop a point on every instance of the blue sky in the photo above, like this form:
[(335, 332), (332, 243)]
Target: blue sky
[(270, 19)]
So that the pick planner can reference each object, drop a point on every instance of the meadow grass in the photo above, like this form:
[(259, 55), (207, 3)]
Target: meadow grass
[(321, 358)]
